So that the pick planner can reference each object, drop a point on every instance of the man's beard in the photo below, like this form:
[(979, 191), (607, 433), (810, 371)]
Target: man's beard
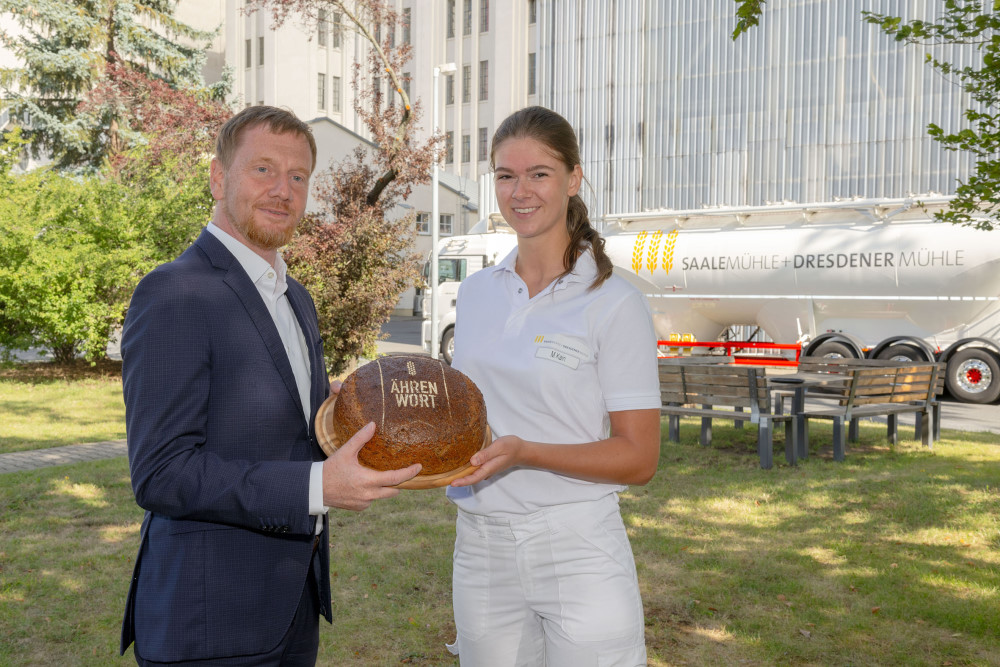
[(268, 239)]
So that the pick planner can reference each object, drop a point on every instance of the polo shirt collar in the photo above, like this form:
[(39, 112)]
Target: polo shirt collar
[(585, 270)]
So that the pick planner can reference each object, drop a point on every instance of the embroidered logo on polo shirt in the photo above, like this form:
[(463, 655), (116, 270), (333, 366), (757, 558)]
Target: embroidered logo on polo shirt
[(566, 350)]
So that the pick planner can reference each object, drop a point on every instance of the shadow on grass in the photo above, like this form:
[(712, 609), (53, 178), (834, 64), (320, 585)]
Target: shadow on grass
[(889, 539), (50, 372)]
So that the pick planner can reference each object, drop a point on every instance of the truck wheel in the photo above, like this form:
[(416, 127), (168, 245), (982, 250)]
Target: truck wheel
[(901, 352), (974, 376), (448, 345), (833, 350)]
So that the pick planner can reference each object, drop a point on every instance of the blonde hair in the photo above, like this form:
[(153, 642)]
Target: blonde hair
[(279, 121)]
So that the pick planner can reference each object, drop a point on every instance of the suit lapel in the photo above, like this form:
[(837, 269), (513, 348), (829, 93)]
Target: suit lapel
[(317, 367), (246, 291)]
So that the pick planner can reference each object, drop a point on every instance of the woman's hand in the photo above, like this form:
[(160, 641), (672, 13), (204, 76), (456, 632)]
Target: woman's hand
[(501, 454)]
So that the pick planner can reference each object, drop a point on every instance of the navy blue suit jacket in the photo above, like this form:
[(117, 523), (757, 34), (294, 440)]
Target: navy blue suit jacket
[(219, 453)]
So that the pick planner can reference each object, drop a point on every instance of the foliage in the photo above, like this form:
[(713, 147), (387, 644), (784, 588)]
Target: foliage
[(965, 22), (170, 125), (747, 15), (73, 248), (65, 49), (353, 255), (354, 260)]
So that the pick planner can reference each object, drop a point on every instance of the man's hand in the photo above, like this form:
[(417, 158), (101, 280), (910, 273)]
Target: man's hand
[(351, 486)]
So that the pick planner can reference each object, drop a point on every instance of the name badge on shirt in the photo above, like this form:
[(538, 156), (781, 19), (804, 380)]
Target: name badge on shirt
[(561, 349)]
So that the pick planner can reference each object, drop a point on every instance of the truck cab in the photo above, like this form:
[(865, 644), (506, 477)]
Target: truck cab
[(488, 242)]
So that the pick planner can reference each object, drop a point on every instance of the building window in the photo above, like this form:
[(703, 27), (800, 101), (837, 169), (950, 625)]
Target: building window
[(260, 50), (484, 144), (321, 28), (449, 88), (466, 148), (338, 29), (484, 80), (321, 91), (423, 223), (466, 17), (449, 147), (531, 74), (335, 93), (249, 54), (406, 84), (445, 224), (466, 83), (484, 15), (407, 17), (532, 11), (450, 11)]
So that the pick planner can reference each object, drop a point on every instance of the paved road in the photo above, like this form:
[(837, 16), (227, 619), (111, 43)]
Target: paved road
[(404, 337)]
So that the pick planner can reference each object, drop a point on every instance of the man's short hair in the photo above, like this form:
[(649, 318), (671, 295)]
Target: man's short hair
[(278, 121)]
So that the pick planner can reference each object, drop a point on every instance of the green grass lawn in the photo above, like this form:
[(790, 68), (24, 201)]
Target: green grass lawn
[(891, 557), (44, 405)]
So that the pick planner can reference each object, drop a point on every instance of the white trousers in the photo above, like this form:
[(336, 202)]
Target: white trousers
[(556, 588)]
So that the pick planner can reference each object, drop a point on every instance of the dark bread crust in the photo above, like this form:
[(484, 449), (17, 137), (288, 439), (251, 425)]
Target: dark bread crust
[(424, 411)]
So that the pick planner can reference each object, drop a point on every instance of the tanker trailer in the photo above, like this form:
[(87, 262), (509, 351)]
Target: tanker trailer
[(855, 278)]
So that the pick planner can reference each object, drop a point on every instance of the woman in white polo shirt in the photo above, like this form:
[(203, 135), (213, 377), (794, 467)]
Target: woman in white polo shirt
[(565, 355)]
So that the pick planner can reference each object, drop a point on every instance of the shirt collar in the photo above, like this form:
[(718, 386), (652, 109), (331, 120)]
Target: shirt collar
[(255, 265), (585, 270)]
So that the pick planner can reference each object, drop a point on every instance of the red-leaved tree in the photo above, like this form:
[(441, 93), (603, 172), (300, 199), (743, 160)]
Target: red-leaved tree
[(151, 123), (354, 255)]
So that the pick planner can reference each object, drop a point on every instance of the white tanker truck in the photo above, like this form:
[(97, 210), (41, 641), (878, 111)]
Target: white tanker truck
[(854, 278)]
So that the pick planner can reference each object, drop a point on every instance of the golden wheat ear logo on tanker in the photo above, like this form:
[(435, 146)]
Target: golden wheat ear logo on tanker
[(653, 257)]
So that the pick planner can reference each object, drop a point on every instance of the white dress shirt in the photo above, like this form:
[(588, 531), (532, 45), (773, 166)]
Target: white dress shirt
[(271, 283)]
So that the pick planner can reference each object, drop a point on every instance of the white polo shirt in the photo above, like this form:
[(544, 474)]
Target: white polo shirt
[(551, 368)]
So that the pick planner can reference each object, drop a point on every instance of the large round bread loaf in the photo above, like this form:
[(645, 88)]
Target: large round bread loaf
[(424, 411)]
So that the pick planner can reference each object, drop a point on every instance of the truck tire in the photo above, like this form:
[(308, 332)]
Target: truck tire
[(901, 352), (831, 349), (448, 345), (974, 376)]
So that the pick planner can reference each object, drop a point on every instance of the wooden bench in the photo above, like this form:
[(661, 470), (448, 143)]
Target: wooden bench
[(714, 391), (883, 389), (840, 366)]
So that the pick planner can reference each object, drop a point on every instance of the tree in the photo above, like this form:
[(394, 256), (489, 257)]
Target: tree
[(748, 14), (965, 23), (167, 124), (72, 249), (66, 48), (353, 256)]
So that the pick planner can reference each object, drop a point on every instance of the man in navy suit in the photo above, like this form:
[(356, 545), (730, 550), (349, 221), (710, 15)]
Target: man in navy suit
[(223, 373)]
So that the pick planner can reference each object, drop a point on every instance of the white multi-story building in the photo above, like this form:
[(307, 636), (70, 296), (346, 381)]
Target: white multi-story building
[(307, 65), (812, 105)]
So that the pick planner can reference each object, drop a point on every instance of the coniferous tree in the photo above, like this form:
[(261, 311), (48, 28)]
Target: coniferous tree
[(66, 47)]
